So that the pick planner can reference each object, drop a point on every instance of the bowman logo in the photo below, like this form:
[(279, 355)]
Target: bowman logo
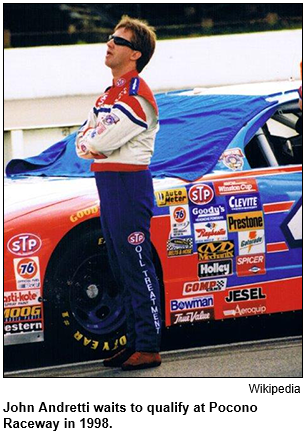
[(201, 194), (136, 238)]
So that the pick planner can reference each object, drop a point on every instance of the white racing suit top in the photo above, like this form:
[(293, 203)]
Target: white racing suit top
[(121, 128)]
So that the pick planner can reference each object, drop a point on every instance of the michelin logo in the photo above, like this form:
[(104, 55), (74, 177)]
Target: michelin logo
[(192, 303)]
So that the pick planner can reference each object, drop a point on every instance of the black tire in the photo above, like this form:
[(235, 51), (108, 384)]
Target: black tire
[(84, 315)]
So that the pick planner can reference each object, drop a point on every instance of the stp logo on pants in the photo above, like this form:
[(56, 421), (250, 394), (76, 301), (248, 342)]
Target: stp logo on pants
[(136, 238)]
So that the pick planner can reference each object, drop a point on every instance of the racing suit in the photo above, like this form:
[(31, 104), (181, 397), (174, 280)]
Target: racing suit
[(119, 134)]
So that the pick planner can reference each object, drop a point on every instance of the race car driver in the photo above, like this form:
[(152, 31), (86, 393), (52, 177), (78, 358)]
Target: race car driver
[(119, 135)]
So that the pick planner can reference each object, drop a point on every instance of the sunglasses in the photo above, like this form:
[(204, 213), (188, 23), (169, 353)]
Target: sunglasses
[(121, 41)]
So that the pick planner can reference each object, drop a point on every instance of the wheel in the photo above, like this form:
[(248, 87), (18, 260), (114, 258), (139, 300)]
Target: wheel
[(84, 315)]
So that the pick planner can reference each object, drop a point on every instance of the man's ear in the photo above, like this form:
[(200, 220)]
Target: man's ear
[(135, 55)]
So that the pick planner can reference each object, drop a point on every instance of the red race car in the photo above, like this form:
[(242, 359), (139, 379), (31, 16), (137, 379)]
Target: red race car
[(226, 239)]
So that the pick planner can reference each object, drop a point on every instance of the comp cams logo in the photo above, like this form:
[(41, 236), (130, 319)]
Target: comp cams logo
[(193, 288)]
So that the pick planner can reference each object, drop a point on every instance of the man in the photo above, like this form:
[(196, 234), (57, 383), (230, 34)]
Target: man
[(119, 135)]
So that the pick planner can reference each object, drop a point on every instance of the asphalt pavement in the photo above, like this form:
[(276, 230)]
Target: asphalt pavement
[(280, 357)]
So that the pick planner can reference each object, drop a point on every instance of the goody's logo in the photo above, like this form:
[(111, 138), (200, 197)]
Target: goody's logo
[(24, 244), (201, 194), (136, 238)]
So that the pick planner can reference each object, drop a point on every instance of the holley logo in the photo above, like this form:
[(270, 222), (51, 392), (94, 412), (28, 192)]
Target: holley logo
[(24, 244), (136, 238)]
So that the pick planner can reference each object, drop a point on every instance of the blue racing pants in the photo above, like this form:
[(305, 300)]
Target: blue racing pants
[(126, 202)]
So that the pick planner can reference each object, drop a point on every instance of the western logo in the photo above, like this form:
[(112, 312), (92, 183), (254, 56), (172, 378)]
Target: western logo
[(216, 250)]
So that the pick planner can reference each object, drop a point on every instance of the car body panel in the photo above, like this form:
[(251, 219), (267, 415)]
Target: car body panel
[(229, 243)]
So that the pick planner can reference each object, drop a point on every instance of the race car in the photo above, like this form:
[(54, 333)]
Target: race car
[(226, 230)]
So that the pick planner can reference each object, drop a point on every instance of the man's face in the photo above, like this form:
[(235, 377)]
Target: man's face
[(118, 56)]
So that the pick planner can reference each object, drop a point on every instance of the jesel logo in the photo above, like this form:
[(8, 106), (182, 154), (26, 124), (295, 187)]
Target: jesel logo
[(136, 238), (201, 194), (216, 250)]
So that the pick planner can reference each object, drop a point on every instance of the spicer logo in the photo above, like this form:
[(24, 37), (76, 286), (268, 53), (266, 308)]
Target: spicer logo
[(136, 238), (24, 244), (201, 194)]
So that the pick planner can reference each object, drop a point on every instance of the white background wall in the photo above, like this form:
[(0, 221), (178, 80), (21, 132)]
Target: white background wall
[(206, 61)]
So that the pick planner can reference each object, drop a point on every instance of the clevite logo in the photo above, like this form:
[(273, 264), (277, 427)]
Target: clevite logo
[(201, 287), (136, 238), (201, 194), (24, 244)]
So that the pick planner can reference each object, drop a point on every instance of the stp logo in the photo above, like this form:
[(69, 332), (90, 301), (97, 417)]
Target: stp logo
[(24, 244), (201, 194), (136, 238)]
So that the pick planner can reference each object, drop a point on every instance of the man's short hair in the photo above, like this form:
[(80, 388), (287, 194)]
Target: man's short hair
[(143, 39)]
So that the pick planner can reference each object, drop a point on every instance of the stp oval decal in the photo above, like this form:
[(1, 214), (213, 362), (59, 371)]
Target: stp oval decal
[(24, 244), (201, 194), (136, 238)]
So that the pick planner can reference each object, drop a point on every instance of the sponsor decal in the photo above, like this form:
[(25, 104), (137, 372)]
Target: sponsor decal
[(24, 244), (245, 311), (210, 231), (201, 194), (215, 268), (250, 265), (23, 327), (230, 187), (216, 250), (171, 197), (212, 213), (24, 313), (27, 273), (245, 221), (92, 210), (191, 303), (179, 247), (233, 159), (180, 221), (136, 238), (245, 295), (241, 203), (251, 242), (191, 317), (100, 128), (101, 100), (110, 119), (21, 298), (121, 82), (204, 286)]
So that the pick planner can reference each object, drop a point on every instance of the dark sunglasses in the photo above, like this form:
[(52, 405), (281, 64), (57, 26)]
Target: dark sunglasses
[(121, 41)]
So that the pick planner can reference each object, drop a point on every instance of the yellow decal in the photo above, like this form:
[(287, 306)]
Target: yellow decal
[(85, 212), (171, 197), (245, 221)]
